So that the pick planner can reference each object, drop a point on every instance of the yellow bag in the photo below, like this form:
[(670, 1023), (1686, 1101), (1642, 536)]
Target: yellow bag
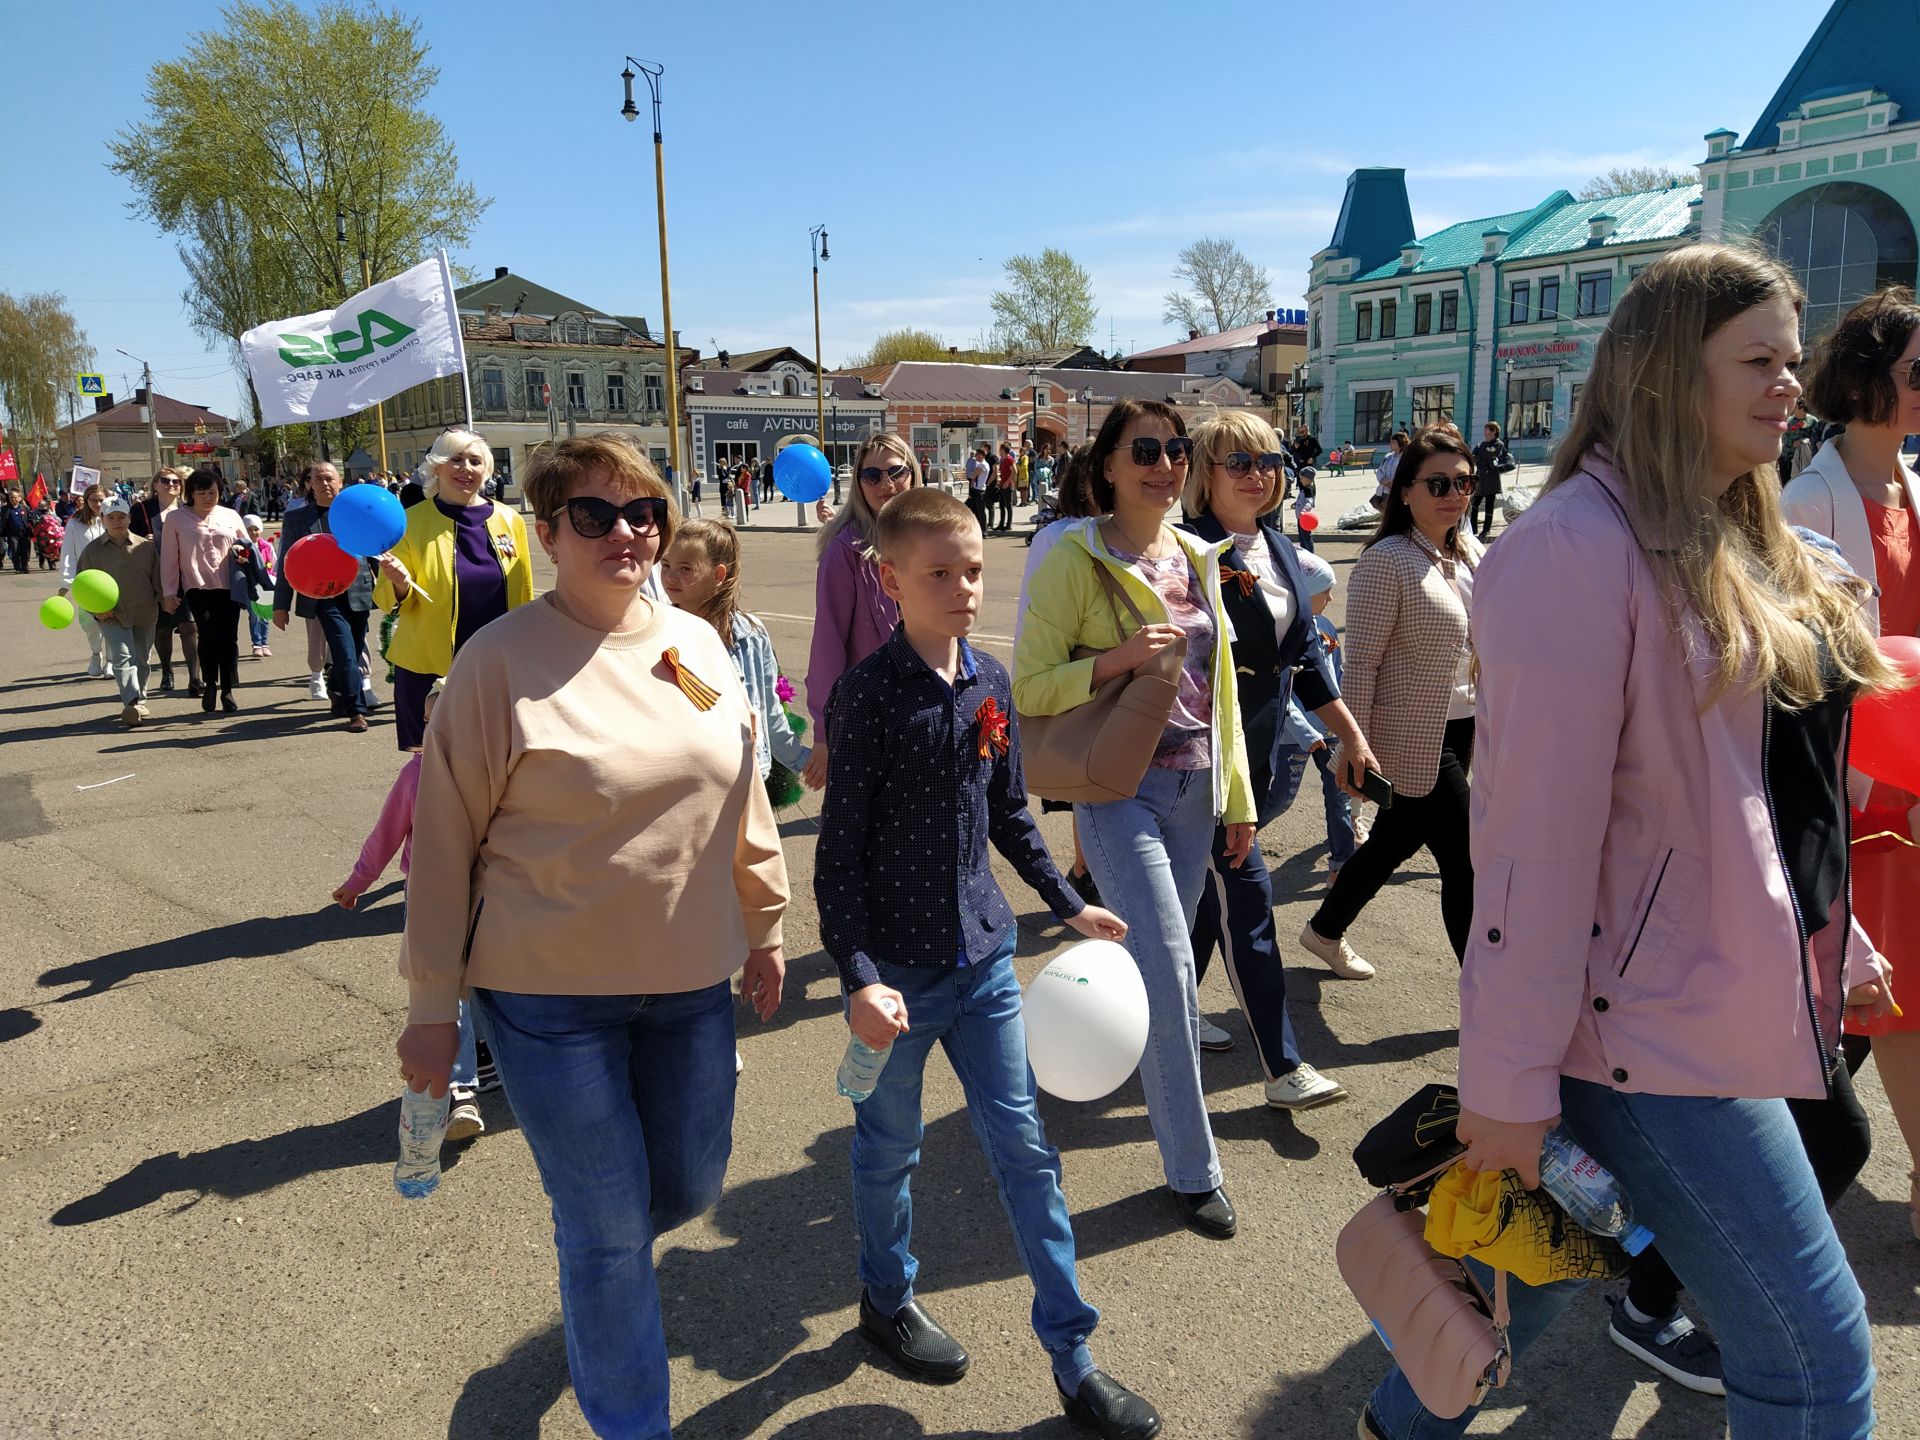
[(1493, 1218)]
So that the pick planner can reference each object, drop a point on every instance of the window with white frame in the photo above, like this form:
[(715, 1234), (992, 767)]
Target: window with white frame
[(1550, 298), (653, 392), (1520, 302), (1530, 408), (576, 390), (616, 392), (1423, 314), (493, 389), (1363, 320), (536, 388), (1372, 415), (1389, 319), (1595, 294), (1450, 311)]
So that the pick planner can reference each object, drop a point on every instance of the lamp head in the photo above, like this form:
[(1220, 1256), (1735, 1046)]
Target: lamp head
[(629, 111), (340, 226), (823, 244)]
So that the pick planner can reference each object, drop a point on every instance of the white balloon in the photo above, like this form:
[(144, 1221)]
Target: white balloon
[(1086, 1016)]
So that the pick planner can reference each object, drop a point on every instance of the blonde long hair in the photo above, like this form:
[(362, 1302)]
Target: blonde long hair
[(1754, 587), (857, 512), (720, 543)]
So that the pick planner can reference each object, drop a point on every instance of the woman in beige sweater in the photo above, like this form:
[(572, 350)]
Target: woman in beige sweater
[(593, 857)]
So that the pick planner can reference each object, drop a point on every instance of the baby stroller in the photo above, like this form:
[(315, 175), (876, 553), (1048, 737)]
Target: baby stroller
[(1044, 514), (48, 534)]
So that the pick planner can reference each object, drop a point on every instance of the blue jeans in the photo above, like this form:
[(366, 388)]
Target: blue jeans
[(973, 1011), (1727, 1188), (256, 627), (1289, 767), (627, 1104), (346, 632), (1148, 855)]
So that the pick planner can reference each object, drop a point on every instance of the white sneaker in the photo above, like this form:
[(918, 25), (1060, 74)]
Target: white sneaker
[(366, 693), (94, 668), (738, 1063), (1212, 1037), (1304, 1088), (1337, 955), (317, 685), (463, 1118)]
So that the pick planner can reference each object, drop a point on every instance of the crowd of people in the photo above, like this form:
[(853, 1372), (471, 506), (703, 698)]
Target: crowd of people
[(1620, 728)]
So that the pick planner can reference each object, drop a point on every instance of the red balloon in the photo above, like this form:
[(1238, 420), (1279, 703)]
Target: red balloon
[(1309, 522), (1886, 727), (318, 568)]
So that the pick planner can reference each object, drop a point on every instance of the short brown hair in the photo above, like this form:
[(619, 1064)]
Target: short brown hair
[(1108, 441), (1851, 381), (914, 513), (560, 470)]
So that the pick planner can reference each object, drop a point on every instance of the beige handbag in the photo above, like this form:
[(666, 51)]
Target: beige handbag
[(1447, 1335), (1099, 750)]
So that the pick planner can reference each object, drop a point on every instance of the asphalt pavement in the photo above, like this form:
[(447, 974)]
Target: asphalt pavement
[(198, 1099)]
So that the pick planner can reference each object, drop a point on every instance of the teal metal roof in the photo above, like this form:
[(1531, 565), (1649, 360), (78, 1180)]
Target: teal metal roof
[(1646, 215), (1453, 248), (1856, 47)]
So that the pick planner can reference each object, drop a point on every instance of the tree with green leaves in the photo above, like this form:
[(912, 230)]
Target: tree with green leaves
[(1048, 303), (41, 350), (1223, 288), (268, 131), (1627, 179), (907, 343)]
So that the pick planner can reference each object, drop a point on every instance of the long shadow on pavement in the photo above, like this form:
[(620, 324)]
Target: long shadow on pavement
[(250, 939)]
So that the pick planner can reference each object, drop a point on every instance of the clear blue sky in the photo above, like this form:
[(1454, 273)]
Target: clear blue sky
[(934, 140)]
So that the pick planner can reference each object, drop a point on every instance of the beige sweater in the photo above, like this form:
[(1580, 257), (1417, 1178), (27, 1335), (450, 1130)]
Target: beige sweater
[(582, 827)]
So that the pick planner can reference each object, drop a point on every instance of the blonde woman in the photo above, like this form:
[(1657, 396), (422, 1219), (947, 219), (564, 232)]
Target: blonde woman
[(852, 615), (462, 562), (1662, 941)]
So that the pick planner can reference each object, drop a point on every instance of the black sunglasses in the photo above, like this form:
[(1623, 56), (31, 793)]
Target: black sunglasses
[(593, 517), (1146, 451), (1240, 464), (892, 475), (1439, 485)]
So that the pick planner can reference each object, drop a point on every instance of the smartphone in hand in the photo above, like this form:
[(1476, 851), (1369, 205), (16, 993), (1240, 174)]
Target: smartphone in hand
[(1377, 788)]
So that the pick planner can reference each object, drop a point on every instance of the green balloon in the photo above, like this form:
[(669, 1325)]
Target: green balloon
[(56, 612), (263, 609), (95, 591)]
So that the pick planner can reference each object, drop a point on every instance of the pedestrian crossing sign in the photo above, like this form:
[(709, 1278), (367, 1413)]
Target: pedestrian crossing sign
[(92, 384)]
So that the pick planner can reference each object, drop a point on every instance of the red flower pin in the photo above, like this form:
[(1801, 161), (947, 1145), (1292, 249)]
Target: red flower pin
[(993, 728)]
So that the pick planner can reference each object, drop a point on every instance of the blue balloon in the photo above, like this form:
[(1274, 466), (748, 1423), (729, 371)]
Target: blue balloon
[(367, 520), (801, 472)]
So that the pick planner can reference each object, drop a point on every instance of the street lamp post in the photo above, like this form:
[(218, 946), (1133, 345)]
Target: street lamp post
[(153, 411), (632, 112), (1086, 399), (1033, 434), (366, 283), (817, 246)]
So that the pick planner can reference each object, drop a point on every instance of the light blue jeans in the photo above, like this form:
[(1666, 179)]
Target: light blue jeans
[(128, 649), (1727, 1188), (973, 1013), (1148, 855)]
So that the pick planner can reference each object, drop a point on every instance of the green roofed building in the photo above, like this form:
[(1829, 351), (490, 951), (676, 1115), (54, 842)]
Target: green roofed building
[(1496, 318)]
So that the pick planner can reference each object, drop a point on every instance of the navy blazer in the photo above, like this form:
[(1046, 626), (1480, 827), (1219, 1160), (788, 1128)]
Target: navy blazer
[(307, 520), (1270, 668)]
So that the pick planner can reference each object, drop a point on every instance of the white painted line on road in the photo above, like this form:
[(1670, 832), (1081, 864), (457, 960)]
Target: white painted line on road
[(98, 783), (808, 620)]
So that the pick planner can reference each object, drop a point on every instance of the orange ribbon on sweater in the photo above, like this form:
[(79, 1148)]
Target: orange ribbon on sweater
[(993, 728), (703, 695), (1245, 579)]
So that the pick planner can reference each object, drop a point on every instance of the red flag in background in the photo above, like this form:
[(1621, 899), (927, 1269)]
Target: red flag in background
[(37, 494), (9, 467)]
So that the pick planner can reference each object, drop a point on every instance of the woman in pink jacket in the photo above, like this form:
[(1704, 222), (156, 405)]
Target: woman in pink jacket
[(1662, 938)]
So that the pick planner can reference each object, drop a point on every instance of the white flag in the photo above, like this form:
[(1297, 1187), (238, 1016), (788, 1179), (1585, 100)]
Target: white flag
[(398, 334)]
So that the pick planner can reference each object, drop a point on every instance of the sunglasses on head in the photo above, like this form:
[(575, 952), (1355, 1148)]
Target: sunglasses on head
[(1146, 451), (593, 517), (1439, 485), (1912, 371), (1240, 464), (891, 474)]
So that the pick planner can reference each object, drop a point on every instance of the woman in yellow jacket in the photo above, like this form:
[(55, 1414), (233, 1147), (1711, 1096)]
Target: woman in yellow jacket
[(1149, 854), (462, 562)]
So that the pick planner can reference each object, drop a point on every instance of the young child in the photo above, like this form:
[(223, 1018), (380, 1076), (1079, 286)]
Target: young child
[(472, 1067), (263, 552), (923, 739), (1305, 496), (1305, 736), (701, 573)]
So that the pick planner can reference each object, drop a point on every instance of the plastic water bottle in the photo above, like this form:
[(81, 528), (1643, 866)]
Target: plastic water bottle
[(423, 1124), (860, 1067), (1587, 1191)]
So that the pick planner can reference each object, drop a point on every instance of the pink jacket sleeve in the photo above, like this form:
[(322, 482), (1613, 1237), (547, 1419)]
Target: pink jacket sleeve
[(390, 831), (1553, 633), (835, 593)]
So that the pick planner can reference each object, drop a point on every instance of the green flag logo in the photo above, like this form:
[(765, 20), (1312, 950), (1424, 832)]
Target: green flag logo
[(375, 331)]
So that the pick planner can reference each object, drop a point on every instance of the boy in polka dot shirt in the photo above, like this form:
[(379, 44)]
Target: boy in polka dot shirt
[(924, 761)]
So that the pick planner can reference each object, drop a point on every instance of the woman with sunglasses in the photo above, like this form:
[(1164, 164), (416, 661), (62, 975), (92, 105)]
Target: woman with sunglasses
[(1409, 685), (1149, 853), (149, 516), (593, 857), (852, 615), (469, 556), (1232, 498), (1862, 493)]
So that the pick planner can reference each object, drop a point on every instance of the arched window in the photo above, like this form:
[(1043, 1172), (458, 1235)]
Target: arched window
[(1843, 241), (789, 385)]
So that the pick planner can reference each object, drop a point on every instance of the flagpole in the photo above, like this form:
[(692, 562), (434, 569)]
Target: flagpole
[(459, 337)]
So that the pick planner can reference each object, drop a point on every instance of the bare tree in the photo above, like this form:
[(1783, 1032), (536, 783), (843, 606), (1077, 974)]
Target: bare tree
[(1048, 303), (1627, 179), (1227, 289)]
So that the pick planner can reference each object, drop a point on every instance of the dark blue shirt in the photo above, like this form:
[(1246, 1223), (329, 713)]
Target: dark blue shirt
[(901, 871)]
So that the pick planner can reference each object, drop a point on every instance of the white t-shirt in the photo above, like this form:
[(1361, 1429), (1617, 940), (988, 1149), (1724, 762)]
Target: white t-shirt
[(1461, 707), (1266, 569)]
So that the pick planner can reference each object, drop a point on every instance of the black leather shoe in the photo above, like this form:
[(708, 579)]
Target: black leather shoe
[(1104, 1405), (1209, 1213), (916, 1344), (195, 689), (229, 704)]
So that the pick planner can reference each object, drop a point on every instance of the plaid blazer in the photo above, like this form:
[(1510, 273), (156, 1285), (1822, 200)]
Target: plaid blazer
[(1406, 627)]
